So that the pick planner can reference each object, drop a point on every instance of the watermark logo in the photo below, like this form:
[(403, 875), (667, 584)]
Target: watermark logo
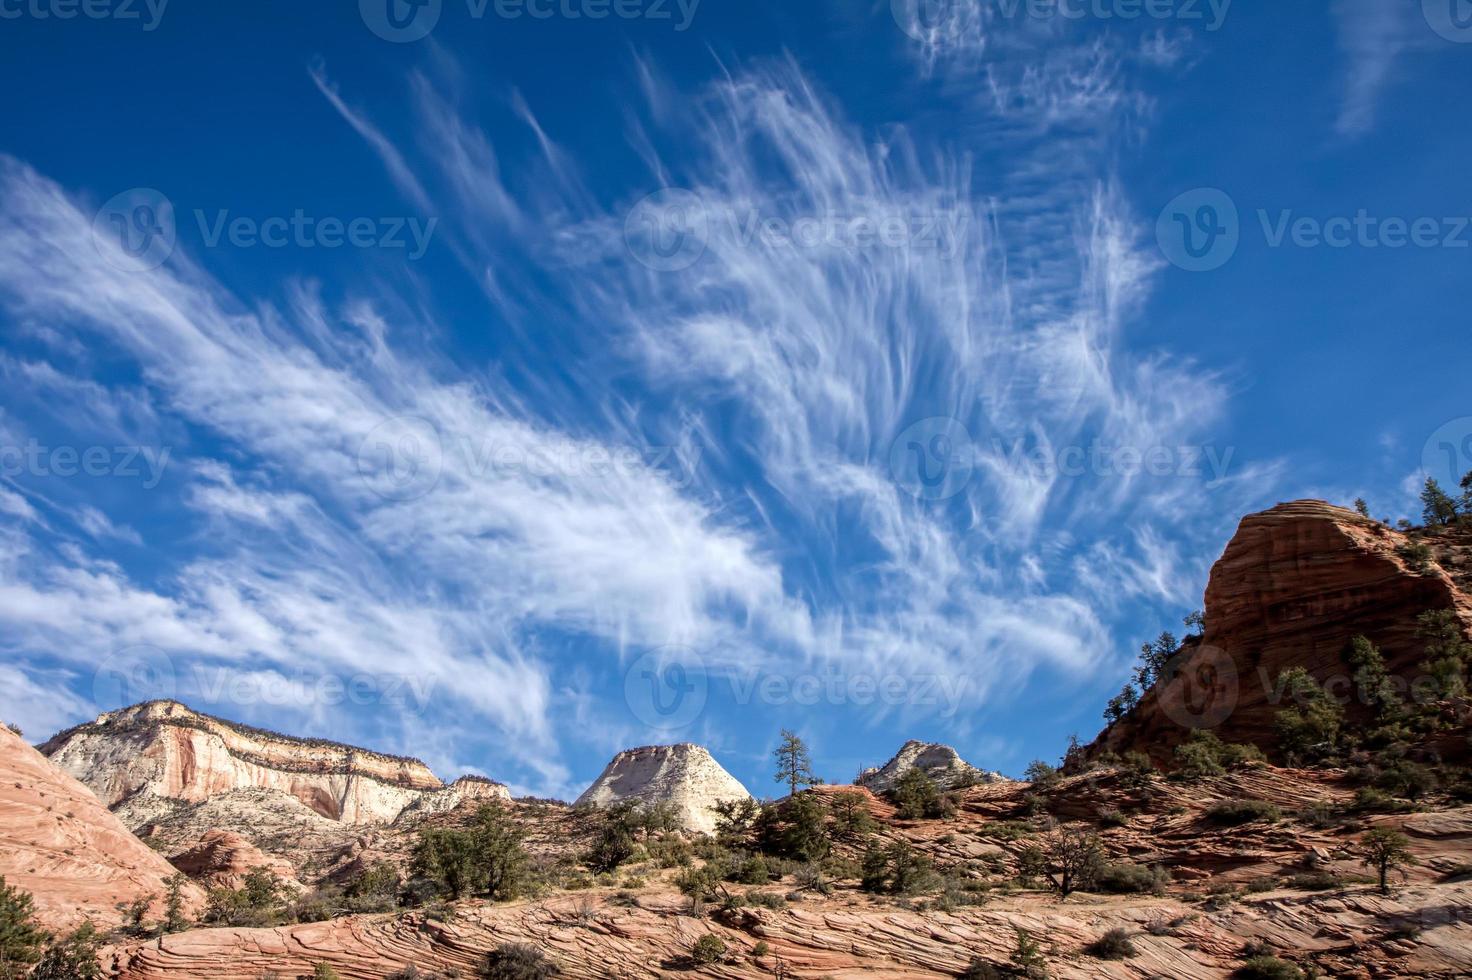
[(930, 21), (1447, 456), (135, 231), (401, 459), (133, 675), (668, 230), (1200, 230), (401, 21), (302, 689), (1452, 19), (1202, 691), (667, 689), (933, 459), (149, 13), (409, 235), (145, 463)]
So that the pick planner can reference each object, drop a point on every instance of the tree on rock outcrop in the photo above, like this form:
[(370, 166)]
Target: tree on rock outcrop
[(1437, 506), (1385, 850), (1069, 859), (918, 797), (794, 765)]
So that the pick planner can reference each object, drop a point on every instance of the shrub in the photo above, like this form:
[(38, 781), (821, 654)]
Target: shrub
[(71, 958), (753, 871), (1416, 554), (1111, 817), (324, 972), (980, 969), (796, 828), (1027, 958), (917, 797), (1199, 756), (1234, 813), (708, 949), (517, 961), (486, 858), (1113, 945), (1126, 878), (1268, 968)]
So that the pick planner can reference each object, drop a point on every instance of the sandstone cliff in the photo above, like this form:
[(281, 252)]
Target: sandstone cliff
[(940, 762), (58, 842), (1294, 586), (164, 751), (684, 775)]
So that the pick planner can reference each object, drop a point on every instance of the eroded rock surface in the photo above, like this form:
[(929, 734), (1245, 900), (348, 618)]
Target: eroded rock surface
[(164, 750), (940, 762), (58, 842), (684, 775)]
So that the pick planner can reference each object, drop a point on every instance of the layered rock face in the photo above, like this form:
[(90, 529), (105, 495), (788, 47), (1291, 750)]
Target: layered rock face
[(164, 750), (58, 842), (686, 776), (1292, 589), (940, 762)]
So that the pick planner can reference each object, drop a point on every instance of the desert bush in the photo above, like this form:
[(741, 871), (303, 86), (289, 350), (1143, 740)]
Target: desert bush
[(1112, 817), (518, 961), (850, 814), (73, 957), (1313, 881), (1234, 813), (752, 870), (708, 949), (918, 797), (1199, 756), (1126, 877), (796, 828), (486, 858), (322, 971), (1268, 968), (1113, 945)]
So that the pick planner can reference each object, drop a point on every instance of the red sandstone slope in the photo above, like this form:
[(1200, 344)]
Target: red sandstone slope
[(58, 842), (1294, 585)]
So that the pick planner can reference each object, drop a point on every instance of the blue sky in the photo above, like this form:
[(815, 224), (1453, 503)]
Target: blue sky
[(546, 386)]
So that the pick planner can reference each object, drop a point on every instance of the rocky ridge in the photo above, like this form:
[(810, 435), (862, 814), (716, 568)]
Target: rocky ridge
[(1295, 584), (940, 762), (686, 776), (152, 754)]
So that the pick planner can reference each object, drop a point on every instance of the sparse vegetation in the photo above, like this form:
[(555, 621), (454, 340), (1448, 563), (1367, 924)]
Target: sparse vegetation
[(1113, 945), (917, 797), (73, 957), (22, 939), (709, 948), (517, 961), (1234, 813), (1309, 729), (486, 858)]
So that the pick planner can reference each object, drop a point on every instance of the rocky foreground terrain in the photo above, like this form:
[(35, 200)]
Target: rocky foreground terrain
[(1186, 841)]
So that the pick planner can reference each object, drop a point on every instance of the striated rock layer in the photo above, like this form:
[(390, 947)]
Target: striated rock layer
[(1294, 586), (164, 750), (58, 842), (940, 762), (684, 775)]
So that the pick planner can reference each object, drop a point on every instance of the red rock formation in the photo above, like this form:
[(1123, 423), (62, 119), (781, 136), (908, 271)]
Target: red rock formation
[(58, 842), (1293, 587), (221, 859)]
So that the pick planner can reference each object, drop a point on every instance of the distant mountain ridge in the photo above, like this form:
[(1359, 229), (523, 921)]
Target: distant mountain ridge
[(166, 750), (940, 762)]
